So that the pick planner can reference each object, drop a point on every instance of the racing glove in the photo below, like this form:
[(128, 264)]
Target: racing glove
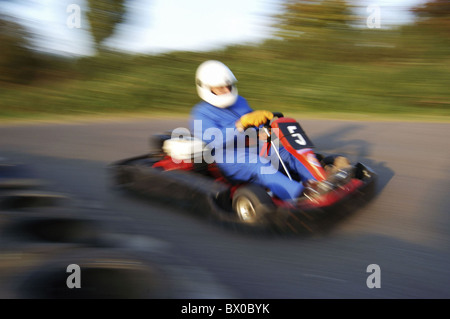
[(255, 118)]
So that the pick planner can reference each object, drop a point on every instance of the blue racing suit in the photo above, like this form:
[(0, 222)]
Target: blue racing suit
[(238, 162)]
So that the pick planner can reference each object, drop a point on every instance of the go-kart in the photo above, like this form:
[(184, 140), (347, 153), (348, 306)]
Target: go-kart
[(180, 177)]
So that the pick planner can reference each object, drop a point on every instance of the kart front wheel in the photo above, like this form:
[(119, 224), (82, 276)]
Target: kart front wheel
[(251, 203)]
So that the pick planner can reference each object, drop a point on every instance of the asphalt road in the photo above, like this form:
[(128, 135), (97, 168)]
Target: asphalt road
[(404, 230)]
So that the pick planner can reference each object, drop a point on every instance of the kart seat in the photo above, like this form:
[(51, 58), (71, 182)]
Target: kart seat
[(185, 148)]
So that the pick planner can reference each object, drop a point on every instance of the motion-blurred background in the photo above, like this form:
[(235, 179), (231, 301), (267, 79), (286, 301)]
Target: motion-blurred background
[(108, 57), (65, 59)]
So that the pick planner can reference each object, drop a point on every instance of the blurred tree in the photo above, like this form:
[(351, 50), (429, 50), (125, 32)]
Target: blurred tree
[(103, 17), (317, 28), (313, 18), (434, 15), (17, 61)]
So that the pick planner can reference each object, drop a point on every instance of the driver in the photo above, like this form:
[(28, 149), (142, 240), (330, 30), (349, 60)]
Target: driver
[(221, 109)]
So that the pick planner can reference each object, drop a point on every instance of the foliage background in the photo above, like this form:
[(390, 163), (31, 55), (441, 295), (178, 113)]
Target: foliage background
[(319, 63)]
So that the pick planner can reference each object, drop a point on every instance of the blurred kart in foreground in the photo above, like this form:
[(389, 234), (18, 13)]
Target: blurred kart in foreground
[(202, 188)]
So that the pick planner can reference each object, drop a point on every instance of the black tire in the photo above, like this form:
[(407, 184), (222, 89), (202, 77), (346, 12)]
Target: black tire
[(252, 203), (105, 274)]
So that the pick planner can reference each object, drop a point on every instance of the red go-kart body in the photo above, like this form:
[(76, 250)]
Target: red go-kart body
[(203, 189)]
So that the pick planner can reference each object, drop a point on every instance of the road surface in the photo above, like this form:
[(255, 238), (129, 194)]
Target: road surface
[(404, 230)]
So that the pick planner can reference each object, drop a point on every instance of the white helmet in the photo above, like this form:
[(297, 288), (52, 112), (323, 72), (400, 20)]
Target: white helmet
[(215, 74)]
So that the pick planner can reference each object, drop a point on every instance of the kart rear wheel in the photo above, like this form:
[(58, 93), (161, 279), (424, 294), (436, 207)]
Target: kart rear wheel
[(250, 203)]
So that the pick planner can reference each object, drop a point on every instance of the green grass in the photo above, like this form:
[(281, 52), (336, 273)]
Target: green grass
[(155, 85)]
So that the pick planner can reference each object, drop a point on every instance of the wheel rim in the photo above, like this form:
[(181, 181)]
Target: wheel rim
[(245, 210)]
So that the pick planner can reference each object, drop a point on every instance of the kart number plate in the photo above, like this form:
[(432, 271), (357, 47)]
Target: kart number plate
[(295, 135)]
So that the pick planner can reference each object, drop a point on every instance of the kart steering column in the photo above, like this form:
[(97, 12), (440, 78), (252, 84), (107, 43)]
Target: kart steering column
[(274, 147)]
